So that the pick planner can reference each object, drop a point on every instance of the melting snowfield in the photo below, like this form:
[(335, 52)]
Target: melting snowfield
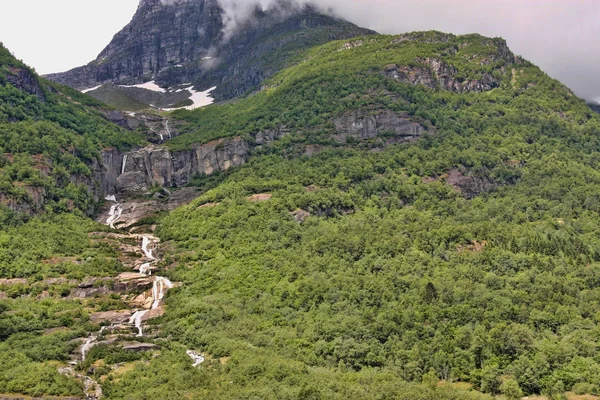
[(148, 86), (199, 99)]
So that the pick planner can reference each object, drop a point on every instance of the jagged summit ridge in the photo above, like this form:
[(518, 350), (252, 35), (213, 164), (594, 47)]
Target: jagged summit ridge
[(198, 41)]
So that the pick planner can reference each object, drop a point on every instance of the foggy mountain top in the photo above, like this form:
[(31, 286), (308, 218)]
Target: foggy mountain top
[(561, 36)]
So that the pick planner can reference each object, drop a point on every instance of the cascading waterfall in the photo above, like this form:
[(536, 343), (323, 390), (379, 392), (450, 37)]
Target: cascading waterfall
[(146, 269), (114, 214), (136, 320), (90, 343), (124, 164), (145, 244), (196, 357), (168, 130), (160, 285)]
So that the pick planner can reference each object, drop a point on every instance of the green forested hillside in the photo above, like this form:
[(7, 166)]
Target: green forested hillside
[(49, 135), (464, 264), (373, 270)]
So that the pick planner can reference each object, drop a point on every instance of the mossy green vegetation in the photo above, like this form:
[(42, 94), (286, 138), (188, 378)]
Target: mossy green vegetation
[(49, 137), (396, 277), (368, 271)]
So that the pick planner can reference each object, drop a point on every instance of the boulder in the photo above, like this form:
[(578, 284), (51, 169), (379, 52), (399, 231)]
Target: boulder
[(111, 317)]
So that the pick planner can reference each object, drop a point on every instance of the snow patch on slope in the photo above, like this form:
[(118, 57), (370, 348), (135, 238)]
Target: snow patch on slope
[(152, 86), (199, 99), (91, 89)]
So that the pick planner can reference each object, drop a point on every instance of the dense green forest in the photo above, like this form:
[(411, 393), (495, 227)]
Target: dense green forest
[(396, 278), (463, 265), (49, 137)]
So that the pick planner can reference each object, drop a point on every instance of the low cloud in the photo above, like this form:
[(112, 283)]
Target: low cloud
[(559, 36)]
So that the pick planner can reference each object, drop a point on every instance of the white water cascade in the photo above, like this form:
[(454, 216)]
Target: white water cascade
[(114, 214), (168, 130), (90, 343), (145, 244), (160, 285), (196, 357), (124, 164)]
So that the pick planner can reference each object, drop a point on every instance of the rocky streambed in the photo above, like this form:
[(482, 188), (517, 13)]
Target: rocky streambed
[(144, 289)]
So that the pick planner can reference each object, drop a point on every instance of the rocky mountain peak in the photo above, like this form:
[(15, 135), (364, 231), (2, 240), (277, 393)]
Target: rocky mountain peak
[(176, 42)]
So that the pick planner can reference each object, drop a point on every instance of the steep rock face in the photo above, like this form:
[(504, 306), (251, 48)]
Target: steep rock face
[(158, 128), (158, 37), (186, 41), (435, 73), (158, 166), (363, 125), (25, 80), (106, 172)]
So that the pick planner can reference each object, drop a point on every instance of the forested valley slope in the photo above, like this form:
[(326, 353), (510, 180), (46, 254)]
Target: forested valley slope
[(404, 217)]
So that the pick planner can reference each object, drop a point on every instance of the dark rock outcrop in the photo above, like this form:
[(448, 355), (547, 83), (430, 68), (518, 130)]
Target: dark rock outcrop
[(140, 347), (434, 73), (187, 41), (25, 80), (470, 185), (158, 166), (158, 128), (369, 125)]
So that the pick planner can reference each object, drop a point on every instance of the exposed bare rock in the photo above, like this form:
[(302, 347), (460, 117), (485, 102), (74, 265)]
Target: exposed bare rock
[(111, 317), (259, 198), (270, 135), (159, 166), (91, 282), (209, 205), (13, 282), (133, 210), (300, 215), (179, 42), (36, 197), (434, 73), (130, 282), (86, 293), (154, 313), (25, 80), (159, 128), (140, 347), (469, 185), (364, 125)]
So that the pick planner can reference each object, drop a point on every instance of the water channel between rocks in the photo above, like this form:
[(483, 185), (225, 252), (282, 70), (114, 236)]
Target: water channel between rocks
[(160, 286)]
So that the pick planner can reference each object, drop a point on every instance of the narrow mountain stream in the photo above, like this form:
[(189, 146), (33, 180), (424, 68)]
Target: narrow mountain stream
[(160, 286)]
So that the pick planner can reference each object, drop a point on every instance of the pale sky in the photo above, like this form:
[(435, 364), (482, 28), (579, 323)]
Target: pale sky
[(561, 36)]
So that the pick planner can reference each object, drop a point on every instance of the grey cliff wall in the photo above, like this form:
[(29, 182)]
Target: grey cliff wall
[(138, 171), (364, 125)]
